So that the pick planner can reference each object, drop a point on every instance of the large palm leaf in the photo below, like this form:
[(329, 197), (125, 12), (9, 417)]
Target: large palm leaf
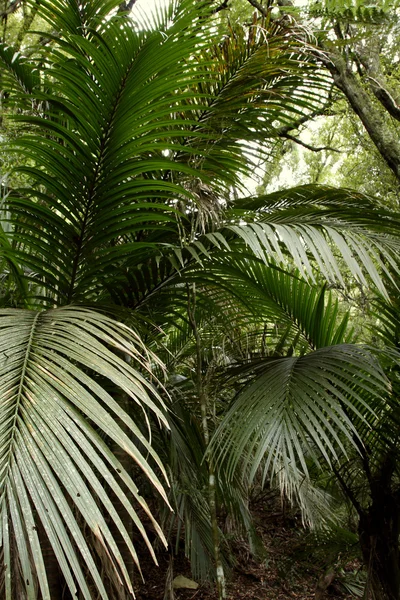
[(341, 235), (296, 407), (329, 226), (54, 461), (106, 197), (268, 294)]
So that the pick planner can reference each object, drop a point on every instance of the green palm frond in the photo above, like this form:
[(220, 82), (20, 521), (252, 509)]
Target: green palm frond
[(317, 225), (104, 177), (295, 407), (98, 192), (18, 74), (54, 461), (263, 74), (68, 17), (387, 321), (274, 295), (356, 11)]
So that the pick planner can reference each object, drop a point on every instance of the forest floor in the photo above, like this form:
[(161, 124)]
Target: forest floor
[(286, 572)]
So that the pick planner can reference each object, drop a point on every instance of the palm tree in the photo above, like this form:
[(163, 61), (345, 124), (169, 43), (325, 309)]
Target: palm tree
[(129, 132), (266, 428), (369, 477)]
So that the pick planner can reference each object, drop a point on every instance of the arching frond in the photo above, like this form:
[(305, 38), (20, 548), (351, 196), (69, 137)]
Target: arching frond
[(272, 294), (54, 462), (135, 116), (18, 74), (320, 226), (295, 406)]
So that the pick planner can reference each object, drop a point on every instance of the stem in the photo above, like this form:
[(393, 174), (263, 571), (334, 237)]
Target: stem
[(212, 487)]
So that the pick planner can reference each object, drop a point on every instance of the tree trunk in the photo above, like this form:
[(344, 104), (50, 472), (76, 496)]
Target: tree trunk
[(379, 540), (371, 116), (212, 483)]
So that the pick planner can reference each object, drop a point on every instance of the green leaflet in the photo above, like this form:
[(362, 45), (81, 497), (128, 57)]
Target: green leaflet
[(47, 391)]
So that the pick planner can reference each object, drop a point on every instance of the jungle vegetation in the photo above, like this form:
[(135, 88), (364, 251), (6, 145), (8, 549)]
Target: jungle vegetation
[(169, 340)]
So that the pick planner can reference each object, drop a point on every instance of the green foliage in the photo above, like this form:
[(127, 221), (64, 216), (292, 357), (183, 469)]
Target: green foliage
[(121, 244), (266, 417), (356, 11), (54, 412)]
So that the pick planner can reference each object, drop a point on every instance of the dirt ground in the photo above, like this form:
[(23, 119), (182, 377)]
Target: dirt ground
[(279, 576)]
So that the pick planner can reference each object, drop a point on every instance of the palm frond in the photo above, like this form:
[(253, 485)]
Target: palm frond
[(106, 196), (67, 17), (296, 407), (318, 225), (54, 462), (18, 74), (273, 295)]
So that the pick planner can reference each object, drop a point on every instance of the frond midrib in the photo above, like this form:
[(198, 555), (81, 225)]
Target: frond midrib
[(91, 192), (19, 393)]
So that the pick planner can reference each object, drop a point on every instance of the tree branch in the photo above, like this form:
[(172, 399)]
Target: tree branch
[(372, 118), (385, 98), (308, 146), (305, 118), (370, 60), (126, 6), (259, 7), (11, 9), (348, 491), (222, 6)]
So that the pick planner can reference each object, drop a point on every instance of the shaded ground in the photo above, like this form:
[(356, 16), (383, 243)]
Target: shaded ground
[(286, 572)]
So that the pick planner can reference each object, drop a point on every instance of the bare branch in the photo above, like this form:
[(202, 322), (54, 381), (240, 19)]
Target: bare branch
[(11, 9), (126, 6), (308, 146), (259, 7), (348, 491), (222, 6)]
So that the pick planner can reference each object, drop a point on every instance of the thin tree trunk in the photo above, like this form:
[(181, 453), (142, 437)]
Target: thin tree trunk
[(379, 529), (378, 535), (373, 116), (212, 484)]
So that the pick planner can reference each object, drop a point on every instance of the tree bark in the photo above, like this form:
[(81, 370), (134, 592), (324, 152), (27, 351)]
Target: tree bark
[(378, 534), (372, 117), (379, 529), (378, 84), (212, 483)]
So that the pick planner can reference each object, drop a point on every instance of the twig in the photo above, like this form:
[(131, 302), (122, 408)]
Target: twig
[(308, 146), (222, 6), (126, 6), (11, 9), (259, 7)]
